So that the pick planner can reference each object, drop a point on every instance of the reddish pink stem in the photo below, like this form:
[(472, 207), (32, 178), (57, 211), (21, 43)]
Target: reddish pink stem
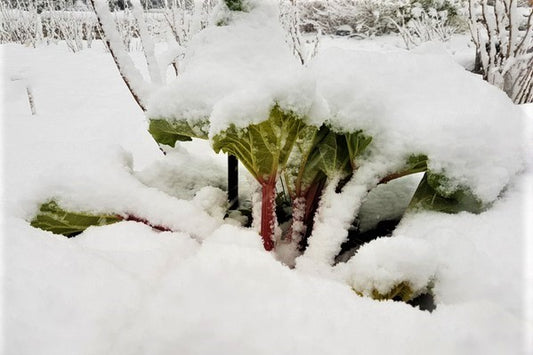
[(145, 221), (268, 213)]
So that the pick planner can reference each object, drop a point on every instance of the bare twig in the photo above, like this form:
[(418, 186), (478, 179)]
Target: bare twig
[(129, 73), (29, 92)]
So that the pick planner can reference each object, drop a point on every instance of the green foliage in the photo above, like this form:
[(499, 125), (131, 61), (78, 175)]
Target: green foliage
[(402, 291), (235, 5), (434, 193), (356, 142), (320, 153), (53, 218), (262, 148), (166, 132), (417, 163)]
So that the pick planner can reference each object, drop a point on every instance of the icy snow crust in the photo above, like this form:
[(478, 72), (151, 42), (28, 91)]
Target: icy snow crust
[(419, 102)]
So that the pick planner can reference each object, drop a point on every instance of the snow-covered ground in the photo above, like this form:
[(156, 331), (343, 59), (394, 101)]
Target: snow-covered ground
[(211, 288)]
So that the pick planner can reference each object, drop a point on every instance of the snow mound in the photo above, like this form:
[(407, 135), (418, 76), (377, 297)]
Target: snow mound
[(419, 102), (387, 262), (232, 73), (425, 103)]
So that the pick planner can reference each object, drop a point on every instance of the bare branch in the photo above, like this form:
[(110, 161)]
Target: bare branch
[(129, 73)]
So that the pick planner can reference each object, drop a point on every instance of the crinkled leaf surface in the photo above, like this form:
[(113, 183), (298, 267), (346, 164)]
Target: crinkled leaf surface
[(356, 143), (262, 148), (324, 153), (53, 218)]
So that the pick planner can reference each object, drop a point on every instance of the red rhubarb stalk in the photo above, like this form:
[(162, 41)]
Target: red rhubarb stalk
[(145, 221), (268, 213)]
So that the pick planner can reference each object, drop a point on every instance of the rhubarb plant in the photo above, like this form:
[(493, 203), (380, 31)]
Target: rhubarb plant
[(320, 154), (264, 150), (51, 217)]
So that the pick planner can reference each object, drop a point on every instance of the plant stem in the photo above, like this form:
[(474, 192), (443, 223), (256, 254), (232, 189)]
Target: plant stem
[(268, 190)]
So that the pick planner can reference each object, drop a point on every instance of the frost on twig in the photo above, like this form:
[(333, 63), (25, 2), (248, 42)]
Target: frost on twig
[(133, 79), (148, 45), (503, 35), (302, 49)]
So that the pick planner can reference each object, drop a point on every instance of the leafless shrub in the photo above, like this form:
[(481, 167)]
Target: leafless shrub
[(302, 48), (503, 35), (424, 26)]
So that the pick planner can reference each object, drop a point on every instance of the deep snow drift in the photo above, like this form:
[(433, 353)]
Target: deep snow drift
[(211, 288)]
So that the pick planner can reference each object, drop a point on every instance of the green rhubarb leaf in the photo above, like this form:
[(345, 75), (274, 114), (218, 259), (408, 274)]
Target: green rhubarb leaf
[(356, 143), (416, 164), (295, 172), (53, 218), (168, 132), (262, 148), (402, 291), (325, 153), (331, 154), (433, 193)]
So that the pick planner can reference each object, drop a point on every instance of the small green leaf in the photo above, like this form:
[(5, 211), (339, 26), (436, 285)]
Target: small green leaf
[(433, 194), (53, 218), (168, 132), (400, 292), (417, 163)]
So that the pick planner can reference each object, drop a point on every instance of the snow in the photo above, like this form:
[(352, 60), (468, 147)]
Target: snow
[(424, 103), (417, 102), (386, 262), (246, 63), (210, 287), (387, 202), (139, 86)]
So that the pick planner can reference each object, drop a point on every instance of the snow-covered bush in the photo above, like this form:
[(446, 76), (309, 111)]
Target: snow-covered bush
[(20, 25), (370, 17), (503, 34), (376, 17), (186, 18), (117, 39), (428, 21), (290, 18)]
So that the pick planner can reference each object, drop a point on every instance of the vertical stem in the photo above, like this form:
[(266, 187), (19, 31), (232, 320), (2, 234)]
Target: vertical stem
[(31, 101), (268, 216), (233, 182)]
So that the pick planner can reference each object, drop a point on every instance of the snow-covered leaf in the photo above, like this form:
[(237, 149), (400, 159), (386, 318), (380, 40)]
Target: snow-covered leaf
[(53, 218), (166, 132), (434, 194)]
